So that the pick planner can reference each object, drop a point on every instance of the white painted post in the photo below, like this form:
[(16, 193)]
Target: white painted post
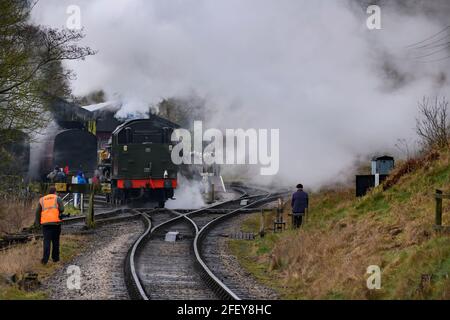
[(377, 180), (82, 203)]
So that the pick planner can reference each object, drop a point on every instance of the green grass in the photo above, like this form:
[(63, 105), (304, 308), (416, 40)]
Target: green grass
[(375, 203), (14, 293), (440, 175), (248, 253), (415, 262), (70, 247), (70, 209), (335, 295), (252, 224), (431, 258)]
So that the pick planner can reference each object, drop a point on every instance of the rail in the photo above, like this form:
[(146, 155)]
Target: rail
[(220, 287), (136, 288)]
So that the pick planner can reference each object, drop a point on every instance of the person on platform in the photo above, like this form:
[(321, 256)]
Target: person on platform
[(80, 179), (60, 176), (52, 175)]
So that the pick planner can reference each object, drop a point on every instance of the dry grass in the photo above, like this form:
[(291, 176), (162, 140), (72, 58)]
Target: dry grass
[(16, 215), (25, 258), (341, 253), (393, 229), (410, 166), (20, 259)]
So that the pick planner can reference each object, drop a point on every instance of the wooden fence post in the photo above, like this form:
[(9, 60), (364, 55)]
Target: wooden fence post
[(90, 222), (262, 226), (438, 197)]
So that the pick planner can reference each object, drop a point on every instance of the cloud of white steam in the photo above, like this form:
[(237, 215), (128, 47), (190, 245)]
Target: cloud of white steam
[(38, 148), (309, 68), (188, 195)]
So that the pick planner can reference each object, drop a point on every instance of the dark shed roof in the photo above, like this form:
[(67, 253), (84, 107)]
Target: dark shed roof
[(106, 122), (70, 115), (64, 111), (383, 158)]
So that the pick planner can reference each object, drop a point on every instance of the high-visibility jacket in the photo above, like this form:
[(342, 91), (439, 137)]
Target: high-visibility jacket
[(50, 210)]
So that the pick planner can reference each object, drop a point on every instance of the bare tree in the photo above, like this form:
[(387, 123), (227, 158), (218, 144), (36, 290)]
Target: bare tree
[(407, 148), (31, 73), (432, 126), (30, 67)]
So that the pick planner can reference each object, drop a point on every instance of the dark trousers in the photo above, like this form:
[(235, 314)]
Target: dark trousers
[(297, 221), (51, 237)]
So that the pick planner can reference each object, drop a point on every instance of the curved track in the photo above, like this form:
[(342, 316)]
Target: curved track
[(156, 269)]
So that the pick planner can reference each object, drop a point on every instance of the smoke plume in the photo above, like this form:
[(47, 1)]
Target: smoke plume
[(187, 196), (334, 88)]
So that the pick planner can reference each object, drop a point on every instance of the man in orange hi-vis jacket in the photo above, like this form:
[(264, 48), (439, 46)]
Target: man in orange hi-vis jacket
[(48, 214)]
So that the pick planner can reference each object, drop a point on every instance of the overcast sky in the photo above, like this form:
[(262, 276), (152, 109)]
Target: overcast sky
[(312, 69)]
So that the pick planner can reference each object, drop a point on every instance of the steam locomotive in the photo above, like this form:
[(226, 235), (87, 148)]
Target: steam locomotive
[(139, 161), (138, 164)]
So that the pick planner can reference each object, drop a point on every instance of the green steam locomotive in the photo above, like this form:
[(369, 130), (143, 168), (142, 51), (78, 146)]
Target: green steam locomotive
[(139, 161)]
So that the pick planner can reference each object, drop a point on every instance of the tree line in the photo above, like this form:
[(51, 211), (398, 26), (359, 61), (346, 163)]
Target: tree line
[(31, 71)]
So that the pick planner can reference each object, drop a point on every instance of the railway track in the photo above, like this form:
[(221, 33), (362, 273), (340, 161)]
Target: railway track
[(157, 269), (105, 213), (70, 224), (166, 270), (188, 268)]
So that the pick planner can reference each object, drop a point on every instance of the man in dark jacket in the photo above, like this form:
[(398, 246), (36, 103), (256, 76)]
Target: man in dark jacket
[(60, 176), (52, 175), (49, 215), (299, 206)]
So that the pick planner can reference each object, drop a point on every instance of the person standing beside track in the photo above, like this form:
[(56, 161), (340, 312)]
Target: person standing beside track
[(299, 204), (80, 179), (49, 215), (52, 175)]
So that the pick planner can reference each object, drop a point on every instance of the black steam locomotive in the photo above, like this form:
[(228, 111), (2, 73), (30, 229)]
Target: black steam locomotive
[(140, 162)]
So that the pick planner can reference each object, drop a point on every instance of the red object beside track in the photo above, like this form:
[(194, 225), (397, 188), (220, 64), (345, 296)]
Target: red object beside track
[(146, 183)]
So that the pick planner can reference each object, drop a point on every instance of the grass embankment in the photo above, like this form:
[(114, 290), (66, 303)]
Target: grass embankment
[(25, 259), (16, 214), (329, 256)]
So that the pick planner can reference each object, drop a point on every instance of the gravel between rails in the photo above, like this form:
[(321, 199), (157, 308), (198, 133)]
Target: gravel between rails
[(226, 266), (167, 269), (101, 265)]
